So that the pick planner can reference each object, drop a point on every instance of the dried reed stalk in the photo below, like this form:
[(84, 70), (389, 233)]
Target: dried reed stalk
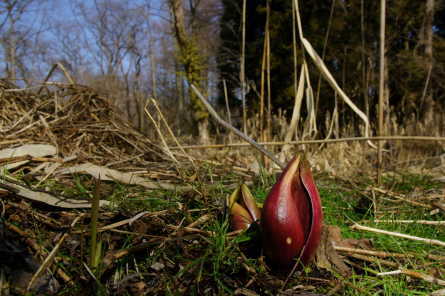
[(385, 254), (269, 88), (425, 222), (352, 139), (381, 88), (298, 84), (327, 74), (161, 136), (397, 234), (161, 115), (229, 114), (415, 274), (242, 65)]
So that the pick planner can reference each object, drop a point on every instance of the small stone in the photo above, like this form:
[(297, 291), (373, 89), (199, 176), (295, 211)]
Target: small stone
[(157, 266)]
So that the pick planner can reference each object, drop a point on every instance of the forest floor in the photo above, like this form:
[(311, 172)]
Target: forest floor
[(163, 227)]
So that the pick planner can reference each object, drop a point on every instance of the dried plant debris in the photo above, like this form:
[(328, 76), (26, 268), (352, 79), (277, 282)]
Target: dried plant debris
[(76, 120)]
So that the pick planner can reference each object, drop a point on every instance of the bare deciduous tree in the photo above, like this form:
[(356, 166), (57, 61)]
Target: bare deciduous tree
[(18, 40)]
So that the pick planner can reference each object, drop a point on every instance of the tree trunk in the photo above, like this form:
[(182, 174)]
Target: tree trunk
[(192, 62)]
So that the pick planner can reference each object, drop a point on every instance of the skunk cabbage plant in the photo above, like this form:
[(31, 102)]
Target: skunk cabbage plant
[(243, 208), (291, 218)]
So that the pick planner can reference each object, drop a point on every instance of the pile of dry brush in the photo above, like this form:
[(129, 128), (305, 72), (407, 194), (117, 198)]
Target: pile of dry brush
[(76, 120)]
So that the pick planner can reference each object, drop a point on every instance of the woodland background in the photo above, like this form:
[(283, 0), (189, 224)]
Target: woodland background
[(136, 50)]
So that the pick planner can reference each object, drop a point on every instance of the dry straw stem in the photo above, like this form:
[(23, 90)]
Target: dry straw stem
[(426, 222), (242, 73), (153, 101), (235, 130), (298, 84), (381, 88), (161, 136), (132, 219), (385, 254), (46, 263), (352, 139), (397, 234), (374, 260), (299, 92), (126, 221), (415, 274), (398, 197)]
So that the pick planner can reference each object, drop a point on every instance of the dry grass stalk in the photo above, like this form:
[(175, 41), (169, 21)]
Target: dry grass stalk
[(171, 132), (262, 136), (401, 198), (397, 234), (381, 88), (415, 274), (375, 260), (425, 222), (229, 114), (161, 136), (269, 87), (310, 128), (242, 65), (384, 254)]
